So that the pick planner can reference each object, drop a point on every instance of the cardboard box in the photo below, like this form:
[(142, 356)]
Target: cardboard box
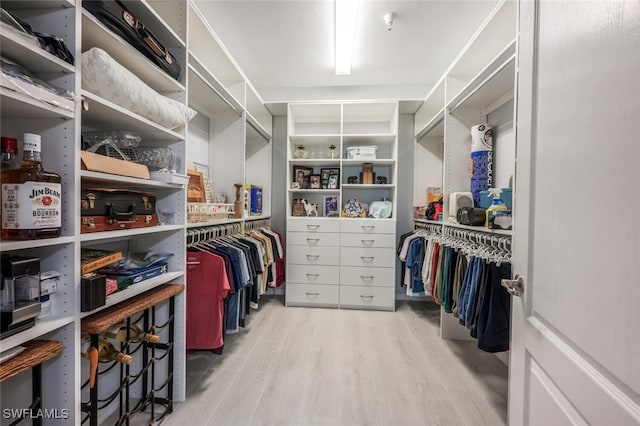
[(104, 164)]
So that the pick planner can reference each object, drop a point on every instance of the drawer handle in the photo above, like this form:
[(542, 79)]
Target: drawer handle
[(313, 256), (368, 227), (367, 242), (366, 277), (314, 294), (314, 227), (314, 276), (313, 240), (367, 259), (366, 297)]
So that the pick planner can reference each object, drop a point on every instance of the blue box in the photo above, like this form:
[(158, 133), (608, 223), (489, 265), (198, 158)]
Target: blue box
[(486, 199), (256, 200)]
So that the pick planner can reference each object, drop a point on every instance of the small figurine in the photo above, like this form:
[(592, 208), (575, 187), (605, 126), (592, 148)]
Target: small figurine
[(309, 208)]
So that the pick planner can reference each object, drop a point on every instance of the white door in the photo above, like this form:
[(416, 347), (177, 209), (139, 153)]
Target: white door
[(575, 355)]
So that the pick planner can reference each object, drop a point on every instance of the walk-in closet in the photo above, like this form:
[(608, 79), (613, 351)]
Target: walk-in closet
[(319, 212)]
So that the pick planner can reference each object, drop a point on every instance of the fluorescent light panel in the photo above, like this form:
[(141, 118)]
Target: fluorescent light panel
[(346, 20)]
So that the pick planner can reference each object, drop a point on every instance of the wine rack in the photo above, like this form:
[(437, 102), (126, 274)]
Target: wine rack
[(137, 390)]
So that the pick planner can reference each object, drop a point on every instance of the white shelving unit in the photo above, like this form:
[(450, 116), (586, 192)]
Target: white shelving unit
[(231, 136), (478, 87), (339, 261)]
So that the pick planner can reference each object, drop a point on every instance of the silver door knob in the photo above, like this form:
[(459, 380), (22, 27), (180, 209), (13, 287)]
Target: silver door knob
[(515, 287)]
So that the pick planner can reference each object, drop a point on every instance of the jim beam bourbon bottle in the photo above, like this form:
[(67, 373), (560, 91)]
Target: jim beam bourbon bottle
[(31, 197)]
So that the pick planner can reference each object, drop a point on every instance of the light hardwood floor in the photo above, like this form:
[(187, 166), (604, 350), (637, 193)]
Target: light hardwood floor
[(303, 366)]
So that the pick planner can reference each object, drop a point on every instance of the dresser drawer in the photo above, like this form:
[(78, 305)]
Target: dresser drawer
[(313, 225), (312, 295), (311, 274), (331, 239), (307, 255), (367, 297), (370, 240), (367, 257), (367, 277), (368, 226)]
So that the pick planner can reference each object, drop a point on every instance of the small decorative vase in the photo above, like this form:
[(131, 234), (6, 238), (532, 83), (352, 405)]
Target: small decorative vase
[(237, 204), (300, 152), (332, 154)]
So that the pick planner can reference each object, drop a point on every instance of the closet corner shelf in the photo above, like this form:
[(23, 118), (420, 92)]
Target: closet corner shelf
[(214, 223), (98, 322), (258, 127), (212, 84), (36, 352), (42, 327)]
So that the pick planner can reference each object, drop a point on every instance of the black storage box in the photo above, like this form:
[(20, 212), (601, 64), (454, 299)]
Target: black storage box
[(93, 292)]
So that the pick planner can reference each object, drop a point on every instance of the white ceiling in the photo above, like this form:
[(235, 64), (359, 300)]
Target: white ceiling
[(285, 48)]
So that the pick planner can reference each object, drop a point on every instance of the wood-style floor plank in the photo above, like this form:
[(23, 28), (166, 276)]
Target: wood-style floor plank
[(305, 366)]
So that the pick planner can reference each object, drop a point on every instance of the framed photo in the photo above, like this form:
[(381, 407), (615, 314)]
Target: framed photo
[(314, 181), (324, 178), (301, 175), (333, 182), (330, 206), (334, 172), (297, 209)]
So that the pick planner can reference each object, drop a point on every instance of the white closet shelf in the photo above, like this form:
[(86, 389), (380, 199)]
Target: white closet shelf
[(315, 138), (479, 229), (19, 105), (151, 19), (367, 186), (490, 83), (496, 31), (135, 289), (261, 217), (431, 107), (214, 223), (376, 162), (105, 114), (256, 127), (315, 191), (95, 34), (430, 222), (126, 233), (434, 127), (207, 92), (42, 326), (312, 162), (39, 60), (89, 177), (256, 109), (206, 48), (46, 242)]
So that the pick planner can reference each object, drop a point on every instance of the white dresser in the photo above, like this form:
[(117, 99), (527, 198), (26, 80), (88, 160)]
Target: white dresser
[(313, 262), (347, 263), (367, 263)]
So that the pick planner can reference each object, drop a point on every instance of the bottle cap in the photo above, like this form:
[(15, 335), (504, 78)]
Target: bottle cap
[(31, 142), (9, 144)]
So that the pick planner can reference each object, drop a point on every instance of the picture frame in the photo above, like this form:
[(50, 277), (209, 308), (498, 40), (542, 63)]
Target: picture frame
[(297, 209), (301, 175), (324, 178), (314, 181), (333, 181), (330, 206), (334, 172)]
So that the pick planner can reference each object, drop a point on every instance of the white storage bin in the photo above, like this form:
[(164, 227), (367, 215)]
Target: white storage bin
[(361, 152)]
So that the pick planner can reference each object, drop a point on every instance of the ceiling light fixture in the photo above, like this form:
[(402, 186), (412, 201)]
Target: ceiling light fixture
[(346, 20)]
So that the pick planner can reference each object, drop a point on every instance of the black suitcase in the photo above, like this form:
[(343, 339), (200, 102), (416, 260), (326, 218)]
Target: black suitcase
[(118, 19), (117, 204)]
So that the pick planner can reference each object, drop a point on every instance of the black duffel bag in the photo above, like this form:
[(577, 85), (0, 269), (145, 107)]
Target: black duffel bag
[(118, 19)]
